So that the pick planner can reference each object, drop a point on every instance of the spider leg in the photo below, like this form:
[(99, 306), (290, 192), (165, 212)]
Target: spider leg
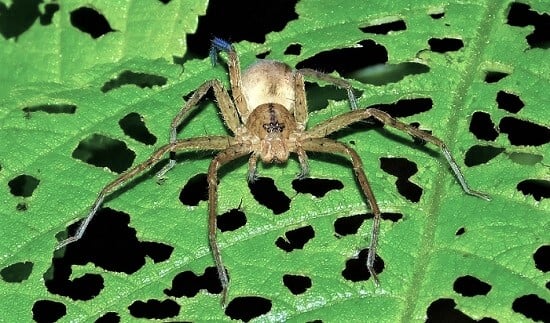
[(300, 115), (325, 145), (339, 82), (304, 164), (336, 123), (300, 103), (252, 171), (201, 143), (227, 108), (234, 66), (223, 157)]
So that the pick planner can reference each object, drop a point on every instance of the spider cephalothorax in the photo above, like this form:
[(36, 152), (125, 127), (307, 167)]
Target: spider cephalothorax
[(271, 127), (267, 114)]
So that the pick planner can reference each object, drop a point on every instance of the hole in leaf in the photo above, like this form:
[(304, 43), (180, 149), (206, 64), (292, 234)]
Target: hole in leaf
[(263, 55), (318, 97), (49, 10), (525, 158), (295, 239), (293, 49), (509, 102), (443, 45), (17, 272), (402, 168), (157, 251), (419, 141), (532, 307), (385, 28), (405, 107), (19, 16), (524, 133), (393, 217), (409, 190), (521, 15), (102, 151), (460, 231), (356, 268), (231, 220), (21, 206), (494, 76), (443, 310), (538, 188), (48, 311), (483, 127), (51, 108), (347, 60), (82, 288), (142, 80), (542, 258), (470, 286), (248, 307), (195, 190), (133, 126), (437, 15), (90, 21), (188, 284), (109, 317), (154, 309), (347, 225), (223, 19), (317, 187), (297, 284), (388, 73), (266, 193), (23, 185), (478, 155), (109, 243)]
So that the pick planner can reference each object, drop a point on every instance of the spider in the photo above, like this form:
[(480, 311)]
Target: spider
[(267, 114)]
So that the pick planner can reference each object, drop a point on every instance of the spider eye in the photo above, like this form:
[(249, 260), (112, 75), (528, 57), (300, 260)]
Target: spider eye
[(273, 127)]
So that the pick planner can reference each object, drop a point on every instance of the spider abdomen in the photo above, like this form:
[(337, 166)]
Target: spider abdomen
[(268, 82)]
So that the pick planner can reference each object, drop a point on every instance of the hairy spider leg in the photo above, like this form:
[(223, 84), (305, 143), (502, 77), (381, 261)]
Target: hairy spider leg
[(336, 81), (341, 121), (216, 45), (226, 106), (231, 153), (199, 143), (318, 142), (301, 115), (234, 67), (325, 145)]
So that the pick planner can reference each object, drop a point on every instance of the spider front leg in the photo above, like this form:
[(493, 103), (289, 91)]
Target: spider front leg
[(223, 157), (342, 121), (325, 145), (227, 108), (201, 143)]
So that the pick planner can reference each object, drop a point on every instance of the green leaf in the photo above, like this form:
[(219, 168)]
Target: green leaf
[(61, 86)]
